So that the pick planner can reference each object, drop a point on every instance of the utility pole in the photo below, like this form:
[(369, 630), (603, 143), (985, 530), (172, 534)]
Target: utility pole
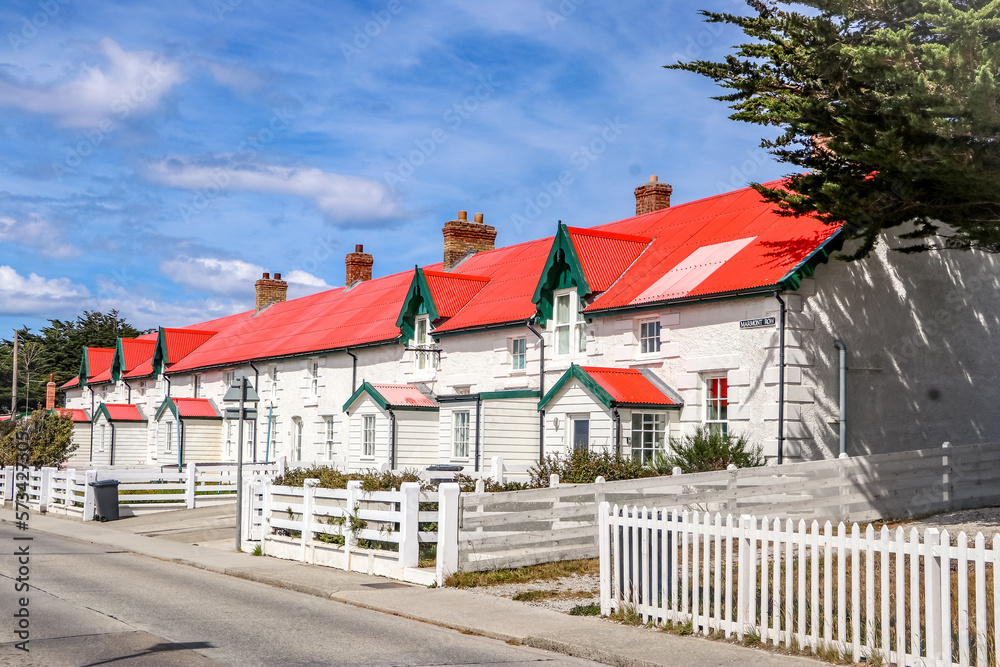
[(13, 384)]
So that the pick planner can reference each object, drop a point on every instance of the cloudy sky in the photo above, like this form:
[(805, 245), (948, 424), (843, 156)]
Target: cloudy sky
[(156, 157)]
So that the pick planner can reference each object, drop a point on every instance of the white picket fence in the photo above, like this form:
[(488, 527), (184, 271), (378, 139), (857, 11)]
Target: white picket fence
[(889, 594), (69, 491), (378, 532)]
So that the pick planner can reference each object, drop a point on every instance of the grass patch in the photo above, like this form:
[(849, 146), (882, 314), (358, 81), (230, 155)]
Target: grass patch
[(523, 575), (592, 609), (531, 596), (258, 551), (627, 614)]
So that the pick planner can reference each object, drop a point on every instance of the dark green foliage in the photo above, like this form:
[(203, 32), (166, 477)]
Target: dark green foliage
[(892, 107), (331, 478), (592, 609), (583, 467), (705, 451), (468, 484), (49, 437)]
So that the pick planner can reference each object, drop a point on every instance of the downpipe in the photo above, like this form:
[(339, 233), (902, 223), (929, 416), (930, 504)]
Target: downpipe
[(541, 392), (781, 378), (839, 344)]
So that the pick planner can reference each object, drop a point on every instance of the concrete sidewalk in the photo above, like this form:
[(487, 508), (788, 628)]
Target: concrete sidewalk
[(584, 637)]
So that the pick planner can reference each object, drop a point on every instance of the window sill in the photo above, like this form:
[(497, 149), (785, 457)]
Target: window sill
[(311, 402)]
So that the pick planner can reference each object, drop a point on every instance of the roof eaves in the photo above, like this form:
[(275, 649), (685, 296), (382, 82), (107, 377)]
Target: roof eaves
[(575, 371)]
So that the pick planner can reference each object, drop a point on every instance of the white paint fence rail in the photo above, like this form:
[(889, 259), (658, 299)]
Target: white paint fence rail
[(904, 598)]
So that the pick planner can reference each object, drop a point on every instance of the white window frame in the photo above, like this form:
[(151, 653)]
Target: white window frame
[(229, 438), (649, 341), (297, 428), (574, 325), (648, 426), (718, 419), (461, 429), (518, 357), (422, 341), (100, 445), (197, 385), (314, 378), (168, 437), (368, 430), (273, 373), (248, 433), (228, 377), (572, 421), (273, 449), (330, 441)]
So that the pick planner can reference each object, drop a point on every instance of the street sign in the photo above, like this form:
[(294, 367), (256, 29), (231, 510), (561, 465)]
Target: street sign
[(234, 413), (233, 393), (757, 323)]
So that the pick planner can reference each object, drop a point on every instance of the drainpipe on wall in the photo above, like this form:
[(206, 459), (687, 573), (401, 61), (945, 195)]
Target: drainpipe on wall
[(618, 430), (354, 370), (92, 406), (112, 425), (167, 380), (129, 387), (392, 439), (267, 443), (839, 344), (781, 377), (479, 402), (256, 386), (541, 392), (180, 441)]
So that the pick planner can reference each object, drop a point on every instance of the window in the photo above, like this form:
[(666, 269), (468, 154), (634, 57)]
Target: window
[(368, 436), (230, 376), (571, 330), (580, 431), (460, 441), (142, 388), (717, 404), (273, 374), (331, 433), (168, 437), (649, 435), (421, 341), (649, 336), (249, 428), (297, 438), (229, 438), (273, 435), (100, 446), (518, 348), (314, 378), (197, 386)]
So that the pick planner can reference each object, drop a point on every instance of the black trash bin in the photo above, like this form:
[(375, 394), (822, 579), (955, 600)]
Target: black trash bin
[(105, 500), (443, 467)]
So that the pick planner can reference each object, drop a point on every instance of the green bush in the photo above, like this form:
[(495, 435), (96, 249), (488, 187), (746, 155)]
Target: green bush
[(583, 467), (468, 484), (49, 439), (706, 451), (331, 478)]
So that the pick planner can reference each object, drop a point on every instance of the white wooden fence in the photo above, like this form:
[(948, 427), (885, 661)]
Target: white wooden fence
[(69, 491), (519, 528), (378, 532), (886, 594)]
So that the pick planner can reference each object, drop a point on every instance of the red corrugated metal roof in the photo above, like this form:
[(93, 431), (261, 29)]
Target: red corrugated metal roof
[(136, 351), (451, 291), (605, 255), (77, 414), (71, 383), (403, 395), (731, 242), (194, 407), (628, 385), (99, 364), (123, 412), (182, 342)]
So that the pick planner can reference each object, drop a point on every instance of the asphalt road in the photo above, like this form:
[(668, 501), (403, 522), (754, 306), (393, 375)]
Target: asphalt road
[(90, 605)]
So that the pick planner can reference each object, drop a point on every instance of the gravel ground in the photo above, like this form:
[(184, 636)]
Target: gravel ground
[(985, 521), (572, 591)]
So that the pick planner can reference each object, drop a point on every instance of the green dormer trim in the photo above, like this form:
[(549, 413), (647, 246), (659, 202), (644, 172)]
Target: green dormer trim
[(418, 301), (380, 401), (118, 362), (807, 268), (84, 369), (160, 357), (574, 371), (562, 270)]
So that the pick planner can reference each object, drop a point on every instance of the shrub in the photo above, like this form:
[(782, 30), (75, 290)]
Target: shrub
[(583, 467), (705, 451), (468, 484), (331, 478), (49, 439)]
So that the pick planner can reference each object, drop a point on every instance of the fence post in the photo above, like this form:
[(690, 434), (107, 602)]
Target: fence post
[(553, 480), (746, 593), (447, 535), (496, 469), (281, 466), (480, 486), (192, 480), (604, 553), (731, 489), (45, 492), (8, 483), (409, 526), (947, 479), (265, 516), (350, 539), (70, 496), (88, 496), (932, 591), (308, 494), (598, 491)]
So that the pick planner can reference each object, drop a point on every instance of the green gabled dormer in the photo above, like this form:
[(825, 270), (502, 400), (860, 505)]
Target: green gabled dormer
[(562, 270)]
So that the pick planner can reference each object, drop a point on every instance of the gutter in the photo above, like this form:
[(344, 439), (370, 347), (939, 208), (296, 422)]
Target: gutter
[(541, 391)]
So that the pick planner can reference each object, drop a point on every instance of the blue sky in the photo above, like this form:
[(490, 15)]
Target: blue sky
[(156, 157)]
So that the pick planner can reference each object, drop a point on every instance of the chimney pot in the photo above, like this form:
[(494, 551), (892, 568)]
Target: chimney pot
[(463, 215), (359, 248), (652, 196), (479, 218), (270, 291), (359, 265), (463, 238)]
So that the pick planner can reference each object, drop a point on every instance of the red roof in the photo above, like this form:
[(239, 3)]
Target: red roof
[(451, 291), (77, 414), (99, 364), (605, 255), (122, 412), (194, 407), (136, 351), (403, 395), (629, 385), (182, 342), (71, 383)]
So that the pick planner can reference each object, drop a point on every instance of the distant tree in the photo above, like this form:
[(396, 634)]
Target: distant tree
[(891, 107), (49, 439)]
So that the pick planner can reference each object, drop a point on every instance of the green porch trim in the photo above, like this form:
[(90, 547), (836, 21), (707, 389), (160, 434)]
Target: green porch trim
[(588, 382), (509, 393), (807, 268), (562, 270), (367, 388), (418, 301), (160, 357), (168, 403), (104, 410)]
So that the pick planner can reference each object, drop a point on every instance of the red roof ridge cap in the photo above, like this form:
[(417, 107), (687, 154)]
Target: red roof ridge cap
[(462, 276), (194, 331), (591, 231)]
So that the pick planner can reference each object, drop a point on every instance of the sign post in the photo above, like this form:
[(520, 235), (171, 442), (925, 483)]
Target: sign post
[(243, 392)]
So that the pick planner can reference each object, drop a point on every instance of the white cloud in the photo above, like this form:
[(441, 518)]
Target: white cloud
[(37, 234), (234, 277), (133, 82), (37, 295), (341, 198), (238, 79)]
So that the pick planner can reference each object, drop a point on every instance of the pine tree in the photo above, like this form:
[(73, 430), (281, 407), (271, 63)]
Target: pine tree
[(890, 107)]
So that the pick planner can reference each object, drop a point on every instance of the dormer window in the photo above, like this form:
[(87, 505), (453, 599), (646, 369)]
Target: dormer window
[(421, 341), (570, 327)]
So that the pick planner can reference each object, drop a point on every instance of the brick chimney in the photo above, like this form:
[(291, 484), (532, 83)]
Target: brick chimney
[(463, 238), (359, 265), (652, 196), (50, 392), (270, 291)]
